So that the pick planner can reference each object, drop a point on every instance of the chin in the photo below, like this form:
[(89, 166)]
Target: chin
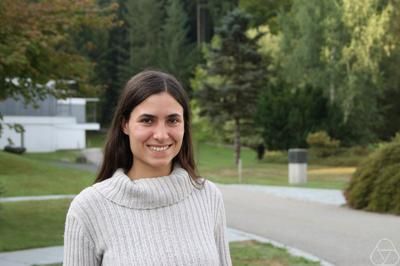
[(161, 164)]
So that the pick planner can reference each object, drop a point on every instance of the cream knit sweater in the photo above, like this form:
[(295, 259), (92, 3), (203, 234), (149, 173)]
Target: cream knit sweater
[(150, 221)]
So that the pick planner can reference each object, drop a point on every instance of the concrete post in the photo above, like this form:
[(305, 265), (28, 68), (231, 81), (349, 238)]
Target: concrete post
[(297, 166)]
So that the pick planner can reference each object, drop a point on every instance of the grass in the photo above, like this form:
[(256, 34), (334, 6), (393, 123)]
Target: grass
[(45, 227), (32, 224), (67, 156), (217, 164), (32, 174), (24, 176), (36, 174), (246, 253)]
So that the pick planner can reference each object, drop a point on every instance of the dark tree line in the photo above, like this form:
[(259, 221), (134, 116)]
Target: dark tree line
[(150, 34), (278, 70)]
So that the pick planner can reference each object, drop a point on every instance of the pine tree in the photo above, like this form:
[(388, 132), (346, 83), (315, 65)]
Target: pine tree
[(177, 55), (145, 19), (111, 69), (108, 48), (228, 84)]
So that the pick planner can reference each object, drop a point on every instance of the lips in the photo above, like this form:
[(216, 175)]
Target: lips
[(159, 148)]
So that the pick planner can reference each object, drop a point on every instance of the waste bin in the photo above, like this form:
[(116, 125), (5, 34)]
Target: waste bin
[(297, 166)]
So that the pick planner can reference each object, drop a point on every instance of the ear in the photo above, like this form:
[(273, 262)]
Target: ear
[(124, 127)]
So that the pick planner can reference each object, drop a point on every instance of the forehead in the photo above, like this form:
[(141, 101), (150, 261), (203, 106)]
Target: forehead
[(158, 104)]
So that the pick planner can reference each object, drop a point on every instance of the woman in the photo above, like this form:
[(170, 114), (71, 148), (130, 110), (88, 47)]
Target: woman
[(148, 206)]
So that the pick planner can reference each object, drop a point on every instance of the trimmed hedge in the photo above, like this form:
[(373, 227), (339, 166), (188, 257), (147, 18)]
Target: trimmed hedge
[(375, 186)]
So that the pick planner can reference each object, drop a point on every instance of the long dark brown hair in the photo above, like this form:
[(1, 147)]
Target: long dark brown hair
[(117, 151)]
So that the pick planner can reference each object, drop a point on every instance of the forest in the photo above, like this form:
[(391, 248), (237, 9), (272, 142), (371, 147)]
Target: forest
[(257, 71)]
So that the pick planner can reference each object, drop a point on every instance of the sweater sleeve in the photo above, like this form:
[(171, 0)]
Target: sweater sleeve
[(220, 234), (79, 249)]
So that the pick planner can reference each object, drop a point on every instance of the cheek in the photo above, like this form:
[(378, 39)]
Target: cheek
[(140, 134), (178, 133)]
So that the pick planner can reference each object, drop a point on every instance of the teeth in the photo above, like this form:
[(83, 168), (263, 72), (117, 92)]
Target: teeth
[(163, 148)]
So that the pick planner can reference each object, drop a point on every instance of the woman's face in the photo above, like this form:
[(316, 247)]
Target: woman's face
[(155, 129)]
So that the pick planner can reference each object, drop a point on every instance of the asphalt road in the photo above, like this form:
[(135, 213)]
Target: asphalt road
[(339, 235)]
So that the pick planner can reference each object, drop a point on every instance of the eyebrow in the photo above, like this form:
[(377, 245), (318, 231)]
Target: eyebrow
[(174, 115), (146, 116), (153, 116)]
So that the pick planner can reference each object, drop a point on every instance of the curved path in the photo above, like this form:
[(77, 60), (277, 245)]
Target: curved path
[(310, 220), (334, 233), (51, 255)]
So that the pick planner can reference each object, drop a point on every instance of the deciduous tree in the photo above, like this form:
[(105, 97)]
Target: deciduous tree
[(36, 45)]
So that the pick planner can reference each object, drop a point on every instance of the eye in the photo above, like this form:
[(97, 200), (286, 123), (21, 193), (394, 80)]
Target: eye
[(146, 121), (174, 120)]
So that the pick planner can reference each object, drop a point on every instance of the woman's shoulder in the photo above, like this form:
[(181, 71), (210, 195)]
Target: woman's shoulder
[(211, 188), (86, 196)]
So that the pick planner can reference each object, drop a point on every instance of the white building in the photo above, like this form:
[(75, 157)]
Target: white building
[(53, 125)]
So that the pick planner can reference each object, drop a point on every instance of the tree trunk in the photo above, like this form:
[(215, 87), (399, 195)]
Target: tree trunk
[(237, 141), (331, 93)]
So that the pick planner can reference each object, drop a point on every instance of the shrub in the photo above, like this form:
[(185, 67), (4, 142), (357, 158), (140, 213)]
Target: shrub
[(375, 186), (321, 144), (397, 137)]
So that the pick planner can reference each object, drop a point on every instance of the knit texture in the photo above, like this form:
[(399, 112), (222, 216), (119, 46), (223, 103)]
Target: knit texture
[(149, 221)]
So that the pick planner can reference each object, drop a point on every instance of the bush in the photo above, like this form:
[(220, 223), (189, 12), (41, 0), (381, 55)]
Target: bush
[(397, 137), (375, 186), (321, 144)]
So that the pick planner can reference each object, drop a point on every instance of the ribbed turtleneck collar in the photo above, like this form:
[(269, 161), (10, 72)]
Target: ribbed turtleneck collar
[(146, 193)]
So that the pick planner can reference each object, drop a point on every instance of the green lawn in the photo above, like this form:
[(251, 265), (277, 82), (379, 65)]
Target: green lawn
[(41, 223), (37, 224), (252, 253), (36, 174), (246, 253), (32, 224), (23, 176), (66, 156), (217, 164)]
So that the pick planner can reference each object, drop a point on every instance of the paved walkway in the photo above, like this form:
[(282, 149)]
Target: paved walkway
[(334, 233), (325, 196), (52, 255), (304, 221), (35, 198)]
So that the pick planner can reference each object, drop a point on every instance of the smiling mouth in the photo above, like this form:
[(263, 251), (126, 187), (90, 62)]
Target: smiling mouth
[(159, 148)]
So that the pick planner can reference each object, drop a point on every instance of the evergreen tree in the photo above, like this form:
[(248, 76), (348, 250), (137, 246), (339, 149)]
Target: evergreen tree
[(111, 69), (228, 84), (388, 102), (108, 48), (145, 19), (177, 55), (265, 12), (220, 8)]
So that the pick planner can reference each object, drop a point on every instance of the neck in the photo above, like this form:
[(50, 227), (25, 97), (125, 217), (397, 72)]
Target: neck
[(141, 171)]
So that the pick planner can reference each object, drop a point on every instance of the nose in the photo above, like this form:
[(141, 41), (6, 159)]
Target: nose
[(160, 132)]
